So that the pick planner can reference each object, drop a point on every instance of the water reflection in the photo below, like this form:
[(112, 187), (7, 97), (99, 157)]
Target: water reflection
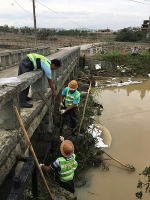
[(142, 89)]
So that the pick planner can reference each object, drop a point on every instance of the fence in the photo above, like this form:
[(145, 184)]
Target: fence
[(11, 58)]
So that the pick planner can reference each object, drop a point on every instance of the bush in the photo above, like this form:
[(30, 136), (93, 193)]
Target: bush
[(141, 62)]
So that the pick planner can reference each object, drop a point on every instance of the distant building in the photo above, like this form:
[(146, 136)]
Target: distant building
[(103, 30), (145, 25)]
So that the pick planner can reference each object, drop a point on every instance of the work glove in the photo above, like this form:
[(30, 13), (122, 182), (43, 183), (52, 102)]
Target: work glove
[(62, 111), (41, 165), (62, 138), (61, 105)]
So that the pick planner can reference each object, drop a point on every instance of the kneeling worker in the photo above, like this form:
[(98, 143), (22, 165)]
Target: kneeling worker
[(69, 100), (64, 166)]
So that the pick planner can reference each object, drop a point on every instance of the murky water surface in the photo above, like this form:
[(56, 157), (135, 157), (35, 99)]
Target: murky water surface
[(126, 115)]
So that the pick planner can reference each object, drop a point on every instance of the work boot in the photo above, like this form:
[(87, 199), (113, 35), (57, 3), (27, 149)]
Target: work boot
[(26, 105), (28, 98)]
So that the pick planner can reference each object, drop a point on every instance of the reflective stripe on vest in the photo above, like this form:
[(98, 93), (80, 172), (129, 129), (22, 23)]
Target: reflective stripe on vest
[(70, 97), (34, 56), (67, 168)]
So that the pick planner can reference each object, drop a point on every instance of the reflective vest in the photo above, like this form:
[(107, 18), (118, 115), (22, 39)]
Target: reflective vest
[(67, 168), (34, 56), (70, 97)]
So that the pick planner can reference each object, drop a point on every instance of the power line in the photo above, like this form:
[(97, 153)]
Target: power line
[(52, 11), (61, 15), (139, 2), (22, 8)]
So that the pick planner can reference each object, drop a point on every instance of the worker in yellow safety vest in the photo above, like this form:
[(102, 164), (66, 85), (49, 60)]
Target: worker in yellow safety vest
[(64, 166), (69, 100), (34, 62)]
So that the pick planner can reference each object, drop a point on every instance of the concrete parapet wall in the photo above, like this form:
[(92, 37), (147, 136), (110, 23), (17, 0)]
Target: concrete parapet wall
[(104, 64), (11, 58), (12, 140)]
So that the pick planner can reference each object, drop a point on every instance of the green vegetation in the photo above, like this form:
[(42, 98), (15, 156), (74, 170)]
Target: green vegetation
[(50, 33), (140, 63), (53, 34), (144, 185), (131, 35)]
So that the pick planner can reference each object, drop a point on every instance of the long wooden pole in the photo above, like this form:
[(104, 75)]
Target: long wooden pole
[(32, 150), (128, 166), (48, 106), (85, 106)]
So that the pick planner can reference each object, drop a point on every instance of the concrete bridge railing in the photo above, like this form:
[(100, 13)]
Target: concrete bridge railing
[(11, 58), (12, 141)]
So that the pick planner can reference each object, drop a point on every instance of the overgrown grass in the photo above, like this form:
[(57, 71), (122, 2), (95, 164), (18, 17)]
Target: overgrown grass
[(140, 63)]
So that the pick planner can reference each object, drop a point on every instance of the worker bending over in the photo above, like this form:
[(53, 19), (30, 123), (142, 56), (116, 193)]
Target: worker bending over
[(34, 62)]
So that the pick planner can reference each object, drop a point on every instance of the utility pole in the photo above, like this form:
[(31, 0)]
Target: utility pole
[(34, 17)]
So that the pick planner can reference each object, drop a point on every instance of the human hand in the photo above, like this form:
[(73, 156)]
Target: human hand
[(54, 94), (61, 105), (62, 138), (62, 111), (41, 165)]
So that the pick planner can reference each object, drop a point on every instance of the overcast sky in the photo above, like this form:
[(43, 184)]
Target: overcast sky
[(71, 14)]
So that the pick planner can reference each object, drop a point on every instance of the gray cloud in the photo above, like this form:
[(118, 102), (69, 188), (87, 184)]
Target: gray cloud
[(97, 14)]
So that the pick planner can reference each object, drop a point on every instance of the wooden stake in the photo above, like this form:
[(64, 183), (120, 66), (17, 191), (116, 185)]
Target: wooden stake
[(32, 150)]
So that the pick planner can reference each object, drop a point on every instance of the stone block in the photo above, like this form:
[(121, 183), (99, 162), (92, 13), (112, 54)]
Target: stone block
[(8, 118)]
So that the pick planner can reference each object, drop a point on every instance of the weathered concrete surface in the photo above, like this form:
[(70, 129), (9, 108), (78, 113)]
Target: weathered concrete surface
[(13, 143)]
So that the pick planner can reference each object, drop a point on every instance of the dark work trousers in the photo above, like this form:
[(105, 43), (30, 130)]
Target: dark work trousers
[(24, 66), (69, 185), (73, 114)]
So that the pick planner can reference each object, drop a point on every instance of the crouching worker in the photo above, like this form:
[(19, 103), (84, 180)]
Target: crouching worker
[(69, 100), (64, 166)]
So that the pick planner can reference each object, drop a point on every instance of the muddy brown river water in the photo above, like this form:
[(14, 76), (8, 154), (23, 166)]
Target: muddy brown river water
[(126, 115)]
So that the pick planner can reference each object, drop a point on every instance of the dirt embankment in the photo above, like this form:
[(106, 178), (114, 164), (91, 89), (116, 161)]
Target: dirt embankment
[(19, 40)]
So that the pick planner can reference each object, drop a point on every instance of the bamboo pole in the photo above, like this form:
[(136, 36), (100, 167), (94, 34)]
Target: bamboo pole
[(128, 166), (85, 106), (48, 106), (32, 150)]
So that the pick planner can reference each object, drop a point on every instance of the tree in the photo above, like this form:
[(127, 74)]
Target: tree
[(129, 35), (12, 28), (6, 28)]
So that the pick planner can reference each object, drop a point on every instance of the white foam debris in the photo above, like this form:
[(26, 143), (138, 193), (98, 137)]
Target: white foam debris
[(100, 143), (148, 75), (128, 83), (96, 84), (98, 66), (96, 133), (115, 84)]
